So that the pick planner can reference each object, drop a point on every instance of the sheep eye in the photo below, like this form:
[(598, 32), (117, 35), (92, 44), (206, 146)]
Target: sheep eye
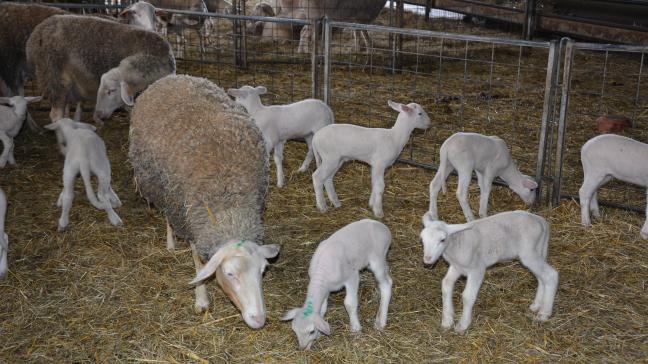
[(420, 113), (230, 274), (443, 240), (312, 332)]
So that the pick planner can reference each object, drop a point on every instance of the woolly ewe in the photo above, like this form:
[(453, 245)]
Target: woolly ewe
[(611, 156), (489, 157), (472, 247), (337, 143), (336, 264), (280, 123)]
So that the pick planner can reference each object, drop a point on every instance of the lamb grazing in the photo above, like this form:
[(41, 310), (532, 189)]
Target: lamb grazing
[(611, 156), (472, 247), (337, 263), (17, 21), (489, 157), (86, 155), (612, 123), (12, 115), (337, 143), (199, 158), (280, 123), (71, 53), (4, 239)]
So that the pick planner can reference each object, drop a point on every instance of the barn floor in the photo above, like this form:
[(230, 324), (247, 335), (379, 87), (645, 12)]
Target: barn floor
[(97, 293)]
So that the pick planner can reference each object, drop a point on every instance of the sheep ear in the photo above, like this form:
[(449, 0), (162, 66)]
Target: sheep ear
[(394, 105), (291, 314), (125, 13), (79, 125), (52, 126), (5, 101), (211, 266), (455, 228), (269, 251), (322, 325), (234, 92), (32, 99), (260, 90), (162, 15), (427, 219), (127, 94), (529, 183)]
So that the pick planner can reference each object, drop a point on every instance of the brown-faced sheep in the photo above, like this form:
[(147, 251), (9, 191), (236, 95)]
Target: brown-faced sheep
[(200, 158)]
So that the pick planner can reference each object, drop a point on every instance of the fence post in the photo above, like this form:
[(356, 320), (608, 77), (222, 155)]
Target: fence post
[(562, 127), (529, 19), (327, 61), (553, 64), (315, 25)]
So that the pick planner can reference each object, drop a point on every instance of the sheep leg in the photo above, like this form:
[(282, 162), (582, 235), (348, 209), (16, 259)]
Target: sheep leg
[(325, 171), (304, 39), (103, 194), (11, 158), (547, 278), (324, 307), (447, 287), (594, 206), (31, 123), (77, 112), (278, 159), (380, 270), (469, 296), (7, 142), (202, 298), (171, 241), (485, 181), (377, 188), (115, 202), (56, 113), (585, 193), (67, 195), (462, 193), (309, 155), (351, 301), (436, 185), (330, 188)]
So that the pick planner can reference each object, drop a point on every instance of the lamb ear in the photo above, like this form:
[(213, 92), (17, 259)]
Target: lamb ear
[(260, 90), (80, 125), (455, 228), (322, 325), (427, 219), (269, 251), (127, 93), (529, 183), (394, 105), (52, 126), (126, 12), (211, 266), (234, 92), (291, 314), (31, 99)]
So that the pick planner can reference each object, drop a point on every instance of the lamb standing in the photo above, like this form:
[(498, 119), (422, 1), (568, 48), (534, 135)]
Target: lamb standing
[(86, 155), (280, 123), (611, 156), (337, 263), (71, 53), (4, 239), (489, 157), (199, 158), (13, 111), (472, 247), (335, 144)]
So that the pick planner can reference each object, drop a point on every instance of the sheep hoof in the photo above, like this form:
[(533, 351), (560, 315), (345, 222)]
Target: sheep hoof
[(302, 169), (379, 214), (445, 326), (542, 317), (535, 307), (644, 234), (356, 328), (460, 329), (380, 325), (62, 228), (199, 308)]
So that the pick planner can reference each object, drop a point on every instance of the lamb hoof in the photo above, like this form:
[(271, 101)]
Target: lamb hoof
[(116, 221), (445, 326), (357, 328), (379, 214), (302, 169), (534, 307), (380, 325), (199, 308), (644, 234), (321, 208), (62, 228), (460, 329), (542, 317), (337, 204)]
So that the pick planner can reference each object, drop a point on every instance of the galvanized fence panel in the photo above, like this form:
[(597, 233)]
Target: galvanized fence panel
[(487, 85), (600, 79)]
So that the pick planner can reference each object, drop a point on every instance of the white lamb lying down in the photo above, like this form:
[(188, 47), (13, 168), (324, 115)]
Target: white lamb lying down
[(489, 157), (86, 154), (279, 123), (335, 144), (4, 239), (337, 263), (611, 156), (472, 247)]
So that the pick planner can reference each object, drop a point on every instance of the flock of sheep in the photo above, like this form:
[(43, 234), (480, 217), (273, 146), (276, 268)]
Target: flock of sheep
[(201, 157)]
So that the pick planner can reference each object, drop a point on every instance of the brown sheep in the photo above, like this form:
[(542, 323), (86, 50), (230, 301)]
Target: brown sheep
[(612, 123)]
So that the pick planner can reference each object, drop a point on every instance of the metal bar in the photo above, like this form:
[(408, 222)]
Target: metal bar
[(634, 111), (550, 84), (529, 19), (605, 66), (497, 181), (315, 25), (621, 206), (564, 103), (327, 61)]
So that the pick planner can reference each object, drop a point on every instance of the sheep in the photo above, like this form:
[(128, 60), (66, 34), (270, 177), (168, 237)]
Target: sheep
[(200, 158), (489, 157), (337, 263), (86, 155), (71, 53), (4, 239), (472, 247), (12, 117), (612, 123), (280, 123), (272, 30), (17, 21), (611, 156), (337, 143)]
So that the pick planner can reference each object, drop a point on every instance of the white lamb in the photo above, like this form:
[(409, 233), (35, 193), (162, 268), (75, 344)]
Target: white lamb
[(13, 111), (472, 247), (86, 154), (4, 239), (489, 157), (338, 143), (279, 123), (611, 156), (337, 263)]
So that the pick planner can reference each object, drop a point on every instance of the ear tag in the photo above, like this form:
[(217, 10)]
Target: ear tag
[(240, 243), (308, 310)]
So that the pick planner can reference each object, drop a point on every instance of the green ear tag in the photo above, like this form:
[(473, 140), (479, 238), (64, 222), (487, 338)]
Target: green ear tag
[(308, 310), (240, 243)]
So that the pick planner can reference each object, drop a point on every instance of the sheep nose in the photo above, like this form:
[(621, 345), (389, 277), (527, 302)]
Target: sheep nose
[(256, 321)]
